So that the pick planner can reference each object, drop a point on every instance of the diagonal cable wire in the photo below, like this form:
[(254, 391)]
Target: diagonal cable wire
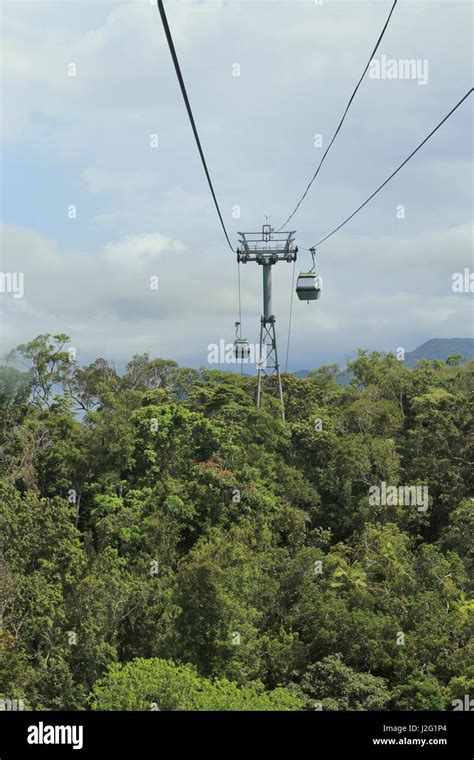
[(396, 170), (289, 317), (169, 39), (343, 117), (239, 333), (240, 297)]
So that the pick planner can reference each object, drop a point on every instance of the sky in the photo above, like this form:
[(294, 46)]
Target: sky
[(103, 189)]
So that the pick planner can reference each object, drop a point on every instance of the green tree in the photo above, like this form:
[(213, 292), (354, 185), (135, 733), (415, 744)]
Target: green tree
[(335, 686), (162, 685)]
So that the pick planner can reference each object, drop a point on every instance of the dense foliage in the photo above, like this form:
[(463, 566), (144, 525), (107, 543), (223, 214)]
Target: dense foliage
[(166, 545)]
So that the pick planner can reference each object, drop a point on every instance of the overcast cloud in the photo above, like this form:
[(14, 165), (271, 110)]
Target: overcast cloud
[(145, 211)]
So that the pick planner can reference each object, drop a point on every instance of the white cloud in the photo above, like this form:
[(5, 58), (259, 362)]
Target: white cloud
[(104, 302), (99, 180), (141, 250), (148, 211)]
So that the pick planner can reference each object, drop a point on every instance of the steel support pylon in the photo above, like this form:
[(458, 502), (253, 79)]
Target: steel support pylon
[(266, 250), (268, 365)]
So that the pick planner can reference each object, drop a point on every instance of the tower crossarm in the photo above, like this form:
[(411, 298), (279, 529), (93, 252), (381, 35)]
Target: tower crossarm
[(267, 247)]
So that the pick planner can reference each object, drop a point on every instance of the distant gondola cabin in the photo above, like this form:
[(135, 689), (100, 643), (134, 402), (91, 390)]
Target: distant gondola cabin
[(241, 349)]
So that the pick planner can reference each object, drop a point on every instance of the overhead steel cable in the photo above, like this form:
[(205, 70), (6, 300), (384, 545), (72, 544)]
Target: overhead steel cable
[(174, 57), (289, 316), (240, 297), (239, 332), (396, 170), (343, 117)]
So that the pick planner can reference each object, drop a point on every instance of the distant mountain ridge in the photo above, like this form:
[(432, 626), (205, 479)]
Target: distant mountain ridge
[(441, 348), (436, 348)]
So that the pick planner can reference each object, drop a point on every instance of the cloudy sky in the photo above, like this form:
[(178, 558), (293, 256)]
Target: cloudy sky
[(86, 86)]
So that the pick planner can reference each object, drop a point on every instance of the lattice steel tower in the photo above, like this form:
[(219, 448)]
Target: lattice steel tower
[(267, 248)]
